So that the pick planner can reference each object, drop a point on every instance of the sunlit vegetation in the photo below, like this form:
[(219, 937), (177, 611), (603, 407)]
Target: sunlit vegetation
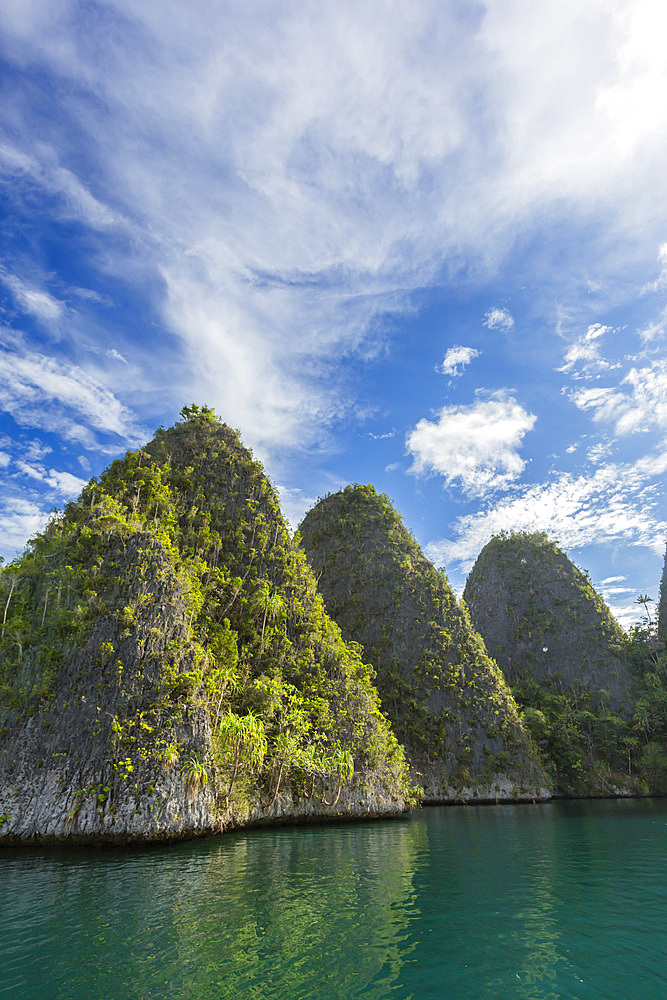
[(594, 698), (448, 702), (181, 547)]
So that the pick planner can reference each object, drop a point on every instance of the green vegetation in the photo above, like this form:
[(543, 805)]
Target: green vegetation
[(172, 595), (449, 704), (593, 698), (662, 605), (165, 654)]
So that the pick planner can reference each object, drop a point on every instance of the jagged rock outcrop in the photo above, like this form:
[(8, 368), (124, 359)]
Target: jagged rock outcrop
[(542, 620), (597, 720), (167, 667), (447, 700)]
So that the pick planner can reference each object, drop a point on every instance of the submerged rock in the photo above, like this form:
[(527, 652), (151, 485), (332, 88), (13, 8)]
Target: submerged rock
[(167, 667), (447, 700)]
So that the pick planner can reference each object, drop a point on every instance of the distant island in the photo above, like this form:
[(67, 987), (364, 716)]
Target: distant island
[(174, 663)]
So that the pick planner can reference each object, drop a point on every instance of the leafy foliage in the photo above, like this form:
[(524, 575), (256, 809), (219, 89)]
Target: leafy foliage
[(593, 698), (284, 695), (444, 695)]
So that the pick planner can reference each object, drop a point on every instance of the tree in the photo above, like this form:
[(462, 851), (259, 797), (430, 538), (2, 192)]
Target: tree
[(246, 737), (12, 579), (342, 765), (198, 414)]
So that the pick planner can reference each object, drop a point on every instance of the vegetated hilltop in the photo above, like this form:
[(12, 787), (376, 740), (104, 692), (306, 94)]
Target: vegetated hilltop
[(570, 667), (447, 700), (542, 620), (167, 666)]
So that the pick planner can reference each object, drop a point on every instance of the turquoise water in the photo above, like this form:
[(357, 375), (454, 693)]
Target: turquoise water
[(561, 900)]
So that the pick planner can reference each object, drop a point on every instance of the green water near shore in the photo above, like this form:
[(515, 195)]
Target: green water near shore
[(558, 900)]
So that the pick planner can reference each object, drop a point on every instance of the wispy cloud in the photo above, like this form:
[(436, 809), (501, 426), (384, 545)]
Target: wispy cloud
[(20, 519), (585, 351), (639, 403), (456, 359), (44, 393), (474, 446), (34, 301), (617, 503), (41, 168), (498, 319), (599, 452), (278, 213), (64, 484), (661, 281), (294, 504), (116, 355), (655, 330)]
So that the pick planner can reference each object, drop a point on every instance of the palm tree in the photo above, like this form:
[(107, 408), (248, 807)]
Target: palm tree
[(342, 764), (245, 735)]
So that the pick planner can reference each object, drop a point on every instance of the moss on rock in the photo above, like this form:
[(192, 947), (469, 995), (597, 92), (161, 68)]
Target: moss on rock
[(447, 700), (167, 664)]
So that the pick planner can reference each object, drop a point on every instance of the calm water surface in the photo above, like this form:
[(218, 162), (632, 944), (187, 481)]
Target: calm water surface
[(563, 900)]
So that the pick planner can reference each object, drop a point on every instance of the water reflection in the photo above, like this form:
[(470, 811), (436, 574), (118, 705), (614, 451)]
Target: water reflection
[(472, 904), (288, 913)]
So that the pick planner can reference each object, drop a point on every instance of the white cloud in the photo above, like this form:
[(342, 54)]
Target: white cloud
[(36, 450), (639, 403), (44, 393), (613, 593), (292, 176), (64, 484), (617, 503), (269, 170), (475, 446), (661, 281), (31, 471), (20, 519), (5, 459), (116, 355), (498, 319), (456, 359), (626, 614), (35, 301), (294, 504), (655, 330), (587, 350), (41, 168), (599, 452), (597, 330)]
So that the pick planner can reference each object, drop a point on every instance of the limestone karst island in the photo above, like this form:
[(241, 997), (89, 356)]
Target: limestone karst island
[(173, 662)]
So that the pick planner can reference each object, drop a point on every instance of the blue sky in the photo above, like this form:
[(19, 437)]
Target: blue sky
[(422, 245)]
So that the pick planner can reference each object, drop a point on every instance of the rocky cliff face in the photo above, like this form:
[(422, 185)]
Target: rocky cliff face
[(662, 606), (567, 662), (167, 667), (542, 620), (447, 700)]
